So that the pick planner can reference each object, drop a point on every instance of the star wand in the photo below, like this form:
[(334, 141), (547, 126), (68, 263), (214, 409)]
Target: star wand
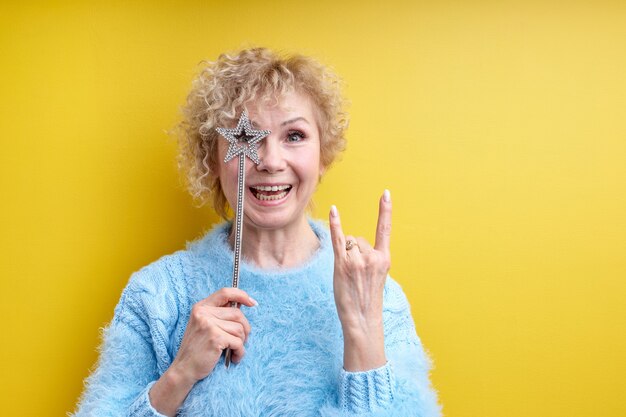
[(243, 142)]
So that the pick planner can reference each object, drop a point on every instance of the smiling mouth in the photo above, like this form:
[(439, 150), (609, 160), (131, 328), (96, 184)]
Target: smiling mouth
[(270, 192)]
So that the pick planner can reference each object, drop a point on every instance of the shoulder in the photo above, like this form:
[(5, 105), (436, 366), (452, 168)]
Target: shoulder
[(162, 274), (151, 304), (320, 227), (156, 290), (161, 289)]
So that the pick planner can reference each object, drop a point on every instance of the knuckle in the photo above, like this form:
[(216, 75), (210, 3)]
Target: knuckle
[(381, 261), (216, 341), (237, 314), (385, 229), (359, 265), (245, 323), (387, 264), (205, 324), (196, 313), (241, 330)]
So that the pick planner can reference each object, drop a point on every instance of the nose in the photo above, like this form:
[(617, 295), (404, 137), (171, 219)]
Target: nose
[(271, 156)]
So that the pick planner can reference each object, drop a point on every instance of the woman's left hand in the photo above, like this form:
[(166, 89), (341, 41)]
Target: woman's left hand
[(359, 280)]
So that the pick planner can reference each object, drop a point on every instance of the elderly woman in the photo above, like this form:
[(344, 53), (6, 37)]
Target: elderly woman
[(322, 331)]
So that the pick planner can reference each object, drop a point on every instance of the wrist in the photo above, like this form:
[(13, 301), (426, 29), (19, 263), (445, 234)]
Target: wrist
[(358, 327), (364, 350), (169, 392), (178, 377)]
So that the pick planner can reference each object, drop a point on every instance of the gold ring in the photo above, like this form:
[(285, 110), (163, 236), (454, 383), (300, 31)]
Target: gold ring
[(350, 244)]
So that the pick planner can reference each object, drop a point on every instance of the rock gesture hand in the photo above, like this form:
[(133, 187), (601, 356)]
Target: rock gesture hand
[(359, 279)]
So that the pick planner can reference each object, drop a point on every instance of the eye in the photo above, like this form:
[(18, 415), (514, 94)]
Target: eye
[(295, 136)]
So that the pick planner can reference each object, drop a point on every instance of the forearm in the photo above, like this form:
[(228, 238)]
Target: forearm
[(169, 392), (364, 347)]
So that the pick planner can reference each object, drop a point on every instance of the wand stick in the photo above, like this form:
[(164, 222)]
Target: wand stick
[(244, 141), (241, 186)]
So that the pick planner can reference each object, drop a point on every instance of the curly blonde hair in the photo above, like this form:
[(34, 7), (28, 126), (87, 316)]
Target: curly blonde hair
[(223, 87)]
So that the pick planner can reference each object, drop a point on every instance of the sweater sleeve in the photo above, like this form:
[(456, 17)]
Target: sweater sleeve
[(129, 359), (399, 388)]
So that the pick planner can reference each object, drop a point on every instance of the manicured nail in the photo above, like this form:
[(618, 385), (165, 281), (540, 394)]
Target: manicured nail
[(333, 211), (387, 196), (253, 301)]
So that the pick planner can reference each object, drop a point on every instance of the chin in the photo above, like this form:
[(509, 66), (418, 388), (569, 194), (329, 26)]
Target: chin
[(270, 222), (273, 221)]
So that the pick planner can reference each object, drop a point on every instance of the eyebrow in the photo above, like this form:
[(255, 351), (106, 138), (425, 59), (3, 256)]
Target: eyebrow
[(295, 119), (286, 122)]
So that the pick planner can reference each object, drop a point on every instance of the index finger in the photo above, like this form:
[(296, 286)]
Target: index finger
[(226, 295), (383, 228)]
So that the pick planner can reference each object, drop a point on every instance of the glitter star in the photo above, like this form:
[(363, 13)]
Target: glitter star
[(244, 140)]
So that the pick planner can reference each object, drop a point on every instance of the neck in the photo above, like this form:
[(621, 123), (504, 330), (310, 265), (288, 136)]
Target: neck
[(286, 247)]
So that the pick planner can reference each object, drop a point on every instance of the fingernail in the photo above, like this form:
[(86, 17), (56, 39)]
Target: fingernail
[(253, 301), (333, 211), (387, 196)]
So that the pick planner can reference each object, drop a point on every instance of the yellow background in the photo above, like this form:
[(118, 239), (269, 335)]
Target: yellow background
[(499, 127)]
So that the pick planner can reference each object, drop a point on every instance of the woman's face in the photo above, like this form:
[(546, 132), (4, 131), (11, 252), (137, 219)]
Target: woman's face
[(279, 188)]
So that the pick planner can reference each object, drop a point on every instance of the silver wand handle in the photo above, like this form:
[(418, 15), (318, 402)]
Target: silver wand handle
[(243, 142), (241, 186)]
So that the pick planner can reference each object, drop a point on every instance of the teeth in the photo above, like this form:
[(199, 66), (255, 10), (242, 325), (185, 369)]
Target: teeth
[(263, 197), (271, 187)]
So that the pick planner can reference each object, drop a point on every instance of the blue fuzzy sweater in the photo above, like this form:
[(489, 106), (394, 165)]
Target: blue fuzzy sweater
[(294, 354)]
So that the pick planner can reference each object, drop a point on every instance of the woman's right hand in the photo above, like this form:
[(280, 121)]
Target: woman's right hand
[(213, 326)]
